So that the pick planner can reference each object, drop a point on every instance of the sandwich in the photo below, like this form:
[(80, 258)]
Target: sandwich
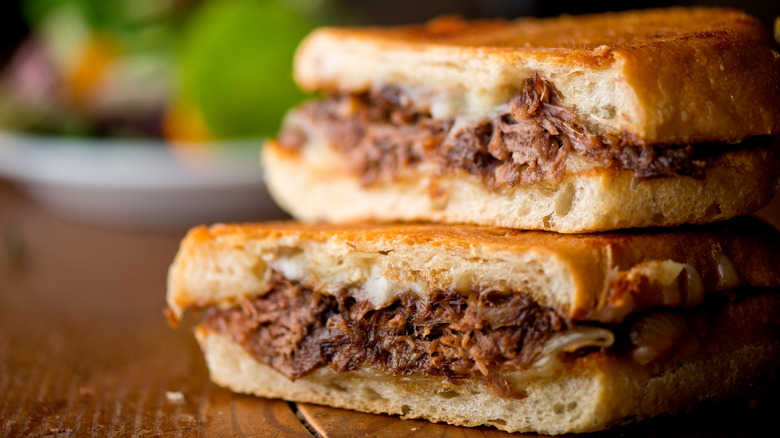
[(569, 124), (520, 330)]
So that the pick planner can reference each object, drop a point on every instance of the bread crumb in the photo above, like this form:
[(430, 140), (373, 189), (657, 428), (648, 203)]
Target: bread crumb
[(174, 396), (85, 391), (601, 50)]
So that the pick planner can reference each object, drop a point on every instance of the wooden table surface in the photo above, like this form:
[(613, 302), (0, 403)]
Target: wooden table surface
[(86, 351)]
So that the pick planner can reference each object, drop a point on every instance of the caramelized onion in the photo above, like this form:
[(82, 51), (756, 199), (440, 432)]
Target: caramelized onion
[(548, 362), (728, 278), (655, 335), (569, 342), (680, 283), (691, 287), (649, 284)]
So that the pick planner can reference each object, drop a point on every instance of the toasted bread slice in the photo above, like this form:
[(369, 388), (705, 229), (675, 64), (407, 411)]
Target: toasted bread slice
[(578, 275), (313, 185), (666, 76)]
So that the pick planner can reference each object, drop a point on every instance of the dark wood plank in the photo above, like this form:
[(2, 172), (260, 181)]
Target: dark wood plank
[(223, 413), (85, 348), (332, 423)]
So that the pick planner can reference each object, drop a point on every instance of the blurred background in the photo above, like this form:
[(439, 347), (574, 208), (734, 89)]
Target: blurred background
[(175, 95), (197, 70)]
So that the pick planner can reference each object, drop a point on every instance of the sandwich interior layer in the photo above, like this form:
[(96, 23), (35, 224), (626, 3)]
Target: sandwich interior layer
[(739, 355), (499, 338), (531, 138)]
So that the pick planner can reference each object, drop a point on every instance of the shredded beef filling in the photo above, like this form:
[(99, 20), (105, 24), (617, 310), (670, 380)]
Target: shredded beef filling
[(382, 132), (296, 331), (483, 336)]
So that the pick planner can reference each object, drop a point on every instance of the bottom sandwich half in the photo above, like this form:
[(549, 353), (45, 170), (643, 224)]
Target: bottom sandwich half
[(524, 331)]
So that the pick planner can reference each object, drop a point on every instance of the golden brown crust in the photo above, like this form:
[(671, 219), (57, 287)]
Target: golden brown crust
[(680, 74), (602, 277), (566, 35)]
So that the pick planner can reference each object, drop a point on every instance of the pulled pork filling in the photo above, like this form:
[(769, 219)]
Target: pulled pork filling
[(382, 132)]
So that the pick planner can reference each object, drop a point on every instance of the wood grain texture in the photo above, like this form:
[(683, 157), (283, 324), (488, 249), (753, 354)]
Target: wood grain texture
[(333, 423), (86, 351)]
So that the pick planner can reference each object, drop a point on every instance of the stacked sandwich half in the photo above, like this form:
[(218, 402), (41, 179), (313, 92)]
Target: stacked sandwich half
[(528, 224)]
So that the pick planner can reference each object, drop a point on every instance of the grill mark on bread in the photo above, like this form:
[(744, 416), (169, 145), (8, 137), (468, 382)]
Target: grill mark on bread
[(383, 132)]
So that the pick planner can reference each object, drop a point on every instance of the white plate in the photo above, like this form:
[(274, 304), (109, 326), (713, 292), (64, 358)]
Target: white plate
[(138, 183)]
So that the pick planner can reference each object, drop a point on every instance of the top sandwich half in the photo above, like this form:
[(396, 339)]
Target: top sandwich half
[(535, 123), (670, 76)]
